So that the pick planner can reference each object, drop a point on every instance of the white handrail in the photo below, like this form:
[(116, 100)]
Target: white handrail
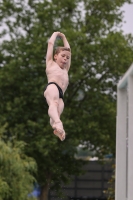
[(123, 82)]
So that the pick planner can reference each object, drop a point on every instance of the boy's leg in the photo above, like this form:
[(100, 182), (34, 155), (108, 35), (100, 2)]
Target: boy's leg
[(60, 110), (51, 122), (52, 96)]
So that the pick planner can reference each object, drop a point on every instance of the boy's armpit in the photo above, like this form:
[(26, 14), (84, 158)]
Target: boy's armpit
[(49, 63)]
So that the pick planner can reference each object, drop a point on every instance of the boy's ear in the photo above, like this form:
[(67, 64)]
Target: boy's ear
[(55, 56)]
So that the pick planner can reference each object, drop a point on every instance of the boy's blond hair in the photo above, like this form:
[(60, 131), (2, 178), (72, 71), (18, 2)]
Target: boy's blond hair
[(59, 49)]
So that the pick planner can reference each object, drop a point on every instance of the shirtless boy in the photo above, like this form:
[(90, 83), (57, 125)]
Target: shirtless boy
[(57, 67)]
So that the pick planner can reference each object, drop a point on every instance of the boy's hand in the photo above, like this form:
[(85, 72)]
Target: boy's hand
[(56, 33), (61, 35)]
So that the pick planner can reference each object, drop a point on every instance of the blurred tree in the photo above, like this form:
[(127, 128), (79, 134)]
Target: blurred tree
[(101, 53), (16, 179)]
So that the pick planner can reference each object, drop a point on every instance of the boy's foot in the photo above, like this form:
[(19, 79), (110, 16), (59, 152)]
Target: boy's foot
[(61, 135), (59, 131)]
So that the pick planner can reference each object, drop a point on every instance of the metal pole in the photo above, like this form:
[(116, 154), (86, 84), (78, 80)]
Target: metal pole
[(130, 138), (121, 127)]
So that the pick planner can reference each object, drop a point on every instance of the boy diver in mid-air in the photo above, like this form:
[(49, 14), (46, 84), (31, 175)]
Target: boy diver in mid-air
[(57, 67)]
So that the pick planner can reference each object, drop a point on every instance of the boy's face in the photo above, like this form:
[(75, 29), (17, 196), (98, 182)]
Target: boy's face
[(62, 58)]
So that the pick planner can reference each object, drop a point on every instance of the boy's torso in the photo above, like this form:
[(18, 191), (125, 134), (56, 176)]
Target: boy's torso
[(57, 75)]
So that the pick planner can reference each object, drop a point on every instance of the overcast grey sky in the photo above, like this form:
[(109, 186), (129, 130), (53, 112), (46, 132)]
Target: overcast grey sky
[(128, 17)]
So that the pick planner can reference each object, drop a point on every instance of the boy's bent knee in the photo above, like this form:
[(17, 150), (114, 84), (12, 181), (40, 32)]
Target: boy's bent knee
[(54, 103)]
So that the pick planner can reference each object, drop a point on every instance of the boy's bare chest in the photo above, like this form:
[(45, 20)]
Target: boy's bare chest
[(56, 71), (58, 75)]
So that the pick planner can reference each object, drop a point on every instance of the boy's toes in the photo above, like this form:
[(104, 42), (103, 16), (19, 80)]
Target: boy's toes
[(60, 134), (63, 136)]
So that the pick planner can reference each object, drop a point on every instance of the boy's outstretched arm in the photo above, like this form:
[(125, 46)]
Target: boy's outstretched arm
[(66, 44), (49, 55)]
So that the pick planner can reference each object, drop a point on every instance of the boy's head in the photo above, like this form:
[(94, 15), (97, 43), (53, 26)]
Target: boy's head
[(62, 56), (59, 49)]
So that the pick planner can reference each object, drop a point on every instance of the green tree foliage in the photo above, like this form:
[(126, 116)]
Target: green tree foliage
[(16, 179), (100, 55)]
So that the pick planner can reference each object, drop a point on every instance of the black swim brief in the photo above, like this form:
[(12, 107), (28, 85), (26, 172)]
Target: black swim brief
[(60, 90)]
